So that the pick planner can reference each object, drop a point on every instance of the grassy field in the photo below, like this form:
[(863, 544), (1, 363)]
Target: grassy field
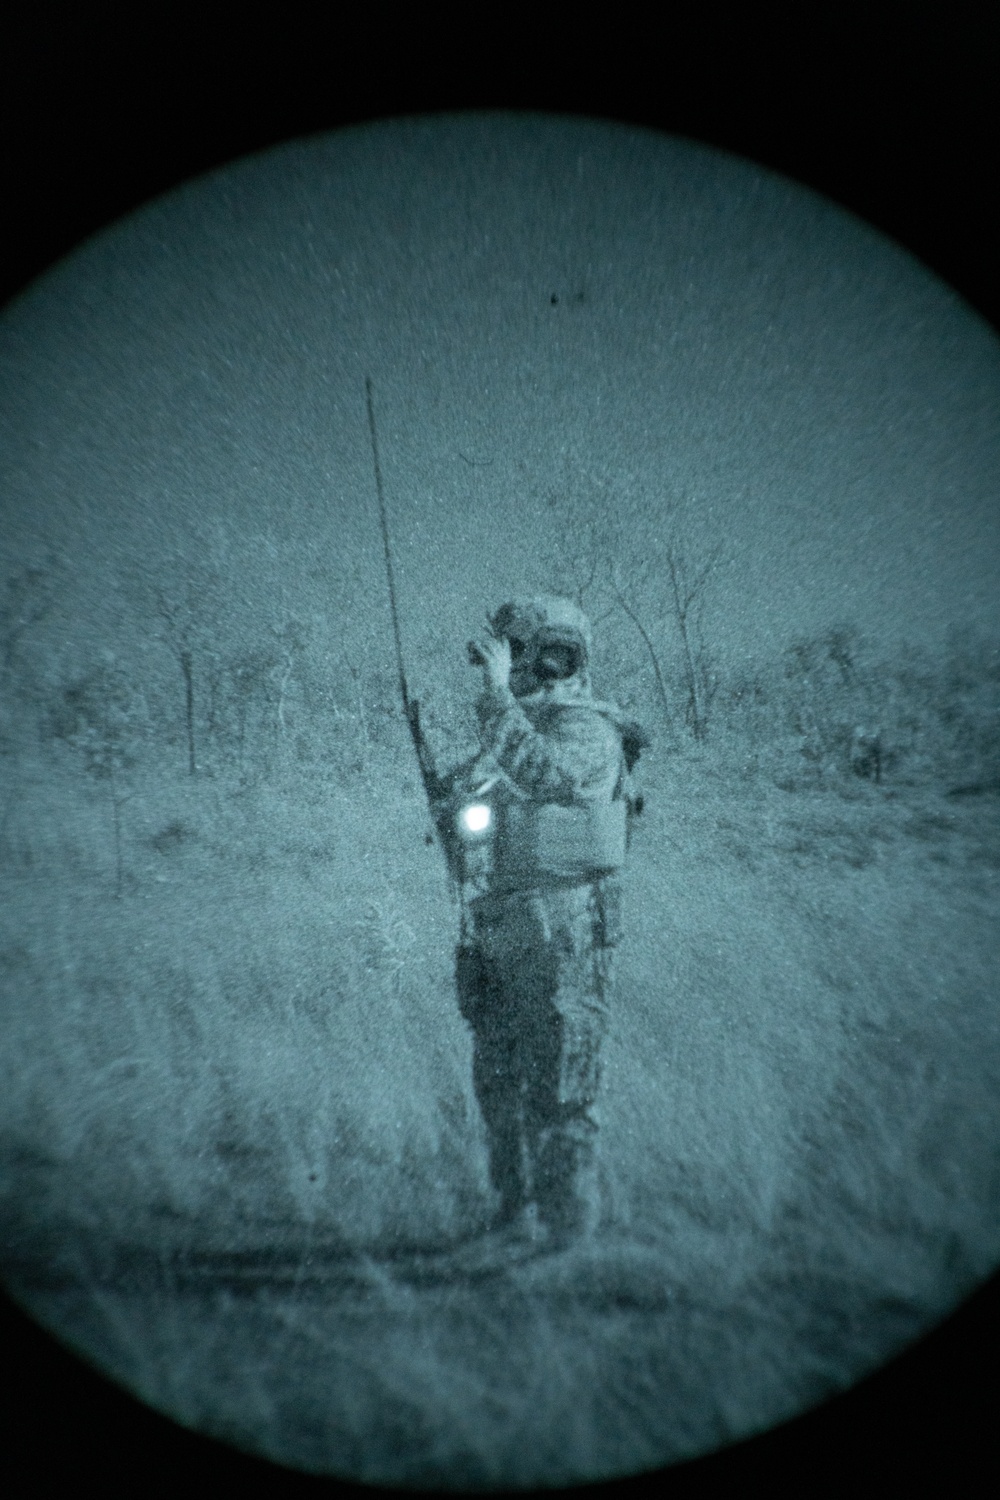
[(239, 1134)]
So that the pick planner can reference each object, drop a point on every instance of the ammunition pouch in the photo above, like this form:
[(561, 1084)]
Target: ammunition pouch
[(568, 843)]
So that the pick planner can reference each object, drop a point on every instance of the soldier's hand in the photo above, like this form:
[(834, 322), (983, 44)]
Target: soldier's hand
[(494, 654)]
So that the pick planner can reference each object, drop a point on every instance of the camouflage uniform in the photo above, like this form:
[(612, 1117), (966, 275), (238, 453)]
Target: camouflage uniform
[(539, 933)]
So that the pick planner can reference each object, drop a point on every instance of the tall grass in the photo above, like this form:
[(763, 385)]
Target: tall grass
[(231, 1028)]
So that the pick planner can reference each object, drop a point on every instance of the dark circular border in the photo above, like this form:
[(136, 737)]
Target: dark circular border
[(891, 112)]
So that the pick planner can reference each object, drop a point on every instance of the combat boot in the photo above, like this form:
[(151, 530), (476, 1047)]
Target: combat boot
[(567, 1190)]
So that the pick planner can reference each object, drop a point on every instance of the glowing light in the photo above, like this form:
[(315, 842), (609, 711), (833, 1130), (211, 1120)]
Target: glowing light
[(477, 817)]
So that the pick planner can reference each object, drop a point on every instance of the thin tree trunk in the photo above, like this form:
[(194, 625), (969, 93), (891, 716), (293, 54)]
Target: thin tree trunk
[(660, 684), (697, 723), (117, 824), (681, 607), (289, 664), (189, 707), (7, 810)]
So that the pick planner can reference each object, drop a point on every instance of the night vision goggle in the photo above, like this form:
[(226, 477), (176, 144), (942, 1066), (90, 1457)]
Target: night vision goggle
[(551, 656)]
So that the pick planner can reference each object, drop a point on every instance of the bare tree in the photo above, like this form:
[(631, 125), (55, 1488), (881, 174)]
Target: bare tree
[(27, 600), (686, 594), (177, 614), (661, 686), (602, 547), (593, 557), (189, 610), (100, 715), (292, 639)]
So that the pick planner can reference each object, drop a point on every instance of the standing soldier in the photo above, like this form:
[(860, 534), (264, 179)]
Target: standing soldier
[(536, 826)]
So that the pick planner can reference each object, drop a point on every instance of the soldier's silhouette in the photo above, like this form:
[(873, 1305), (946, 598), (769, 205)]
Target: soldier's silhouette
[(537, 828)]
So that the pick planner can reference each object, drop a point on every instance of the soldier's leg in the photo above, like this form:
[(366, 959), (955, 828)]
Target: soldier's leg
[(566, 1186), (496, 1078), (496, 1074), (543, 1037), (566, 1179), (530, 981)]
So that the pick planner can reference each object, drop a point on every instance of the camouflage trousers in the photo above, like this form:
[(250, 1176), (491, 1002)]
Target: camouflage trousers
[(534, 980)]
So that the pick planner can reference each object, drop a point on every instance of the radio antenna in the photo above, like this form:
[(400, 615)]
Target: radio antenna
[(411, 708), (386, 547)]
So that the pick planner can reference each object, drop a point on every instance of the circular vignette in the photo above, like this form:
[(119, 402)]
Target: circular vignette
[(245, 1161)]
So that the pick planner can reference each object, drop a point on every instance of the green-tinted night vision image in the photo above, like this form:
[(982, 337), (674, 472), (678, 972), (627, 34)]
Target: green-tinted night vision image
[(500, 816)]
